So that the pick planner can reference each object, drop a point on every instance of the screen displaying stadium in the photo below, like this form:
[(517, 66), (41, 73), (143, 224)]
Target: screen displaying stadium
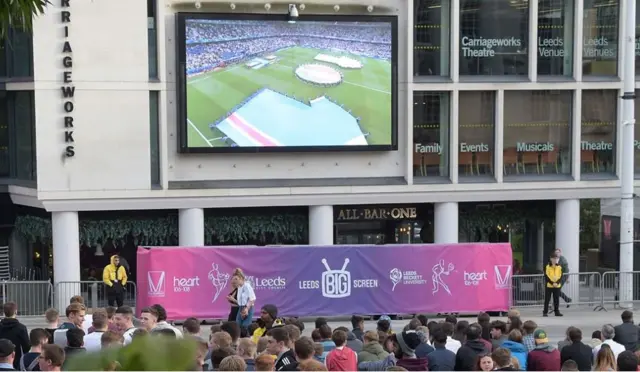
[(256, 84)]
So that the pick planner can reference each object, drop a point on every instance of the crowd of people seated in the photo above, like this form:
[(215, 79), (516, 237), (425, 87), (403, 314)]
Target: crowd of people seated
[(273, 343), (211, 45), (204, 31)]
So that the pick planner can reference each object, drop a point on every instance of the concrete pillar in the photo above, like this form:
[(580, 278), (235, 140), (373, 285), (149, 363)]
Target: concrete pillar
[(568, 240), (446, 223), (66, 257), (191, 227), (321, 225)]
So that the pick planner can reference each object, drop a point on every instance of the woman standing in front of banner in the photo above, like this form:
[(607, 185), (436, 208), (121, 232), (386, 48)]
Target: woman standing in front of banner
[(246, 298), (232, 298)]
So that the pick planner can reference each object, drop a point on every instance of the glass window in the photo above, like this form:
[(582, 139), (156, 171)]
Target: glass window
[(555, 37), (476, 118), (155, 138), (19, 47), (494, 37), (598, 131), (431, 134), (24, 136), (3, 60), (4, 136), (153, 39), (16, 55), (431, 37), (600, 38), (537, 133)]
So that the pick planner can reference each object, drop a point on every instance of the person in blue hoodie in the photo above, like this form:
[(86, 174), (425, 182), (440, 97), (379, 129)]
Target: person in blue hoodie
[(516, 347), (325, 339)]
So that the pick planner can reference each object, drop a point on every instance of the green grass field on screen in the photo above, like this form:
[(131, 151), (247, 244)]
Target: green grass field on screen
[(366, 92)]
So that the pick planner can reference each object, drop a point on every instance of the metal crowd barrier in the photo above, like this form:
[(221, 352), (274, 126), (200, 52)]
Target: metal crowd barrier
[(32, 297), (593, 289), (613, 282), (582, 288), (94, 293)]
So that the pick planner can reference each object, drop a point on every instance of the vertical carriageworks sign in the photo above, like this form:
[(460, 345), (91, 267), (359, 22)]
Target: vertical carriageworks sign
[(68, 89)]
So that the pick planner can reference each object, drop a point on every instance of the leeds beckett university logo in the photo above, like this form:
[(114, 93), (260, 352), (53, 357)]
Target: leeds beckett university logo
[(438, 282), (407, 277), (336, 283), (157, 284), (503, 276), (396, 277), (218, 279)]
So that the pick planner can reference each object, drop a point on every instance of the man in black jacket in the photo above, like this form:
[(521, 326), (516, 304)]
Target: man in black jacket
[(468, 354), (577, 351), (627, 333), (14, 331), (278, 339)]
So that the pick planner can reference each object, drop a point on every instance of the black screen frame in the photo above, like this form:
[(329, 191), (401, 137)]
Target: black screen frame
[(181, 80)]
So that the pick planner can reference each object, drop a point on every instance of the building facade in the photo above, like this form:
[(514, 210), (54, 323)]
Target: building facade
[(500, 102)]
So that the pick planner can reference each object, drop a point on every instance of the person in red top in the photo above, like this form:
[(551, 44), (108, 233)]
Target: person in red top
[(342, 358), (544, 357)]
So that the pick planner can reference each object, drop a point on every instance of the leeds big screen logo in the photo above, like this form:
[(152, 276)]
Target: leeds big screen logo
[(335, 283)]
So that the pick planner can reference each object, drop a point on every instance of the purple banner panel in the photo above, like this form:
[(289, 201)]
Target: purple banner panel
[(331, 280)]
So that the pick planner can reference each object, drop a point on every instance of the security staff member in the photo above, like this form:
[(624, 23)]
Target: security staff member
[(553, 275)]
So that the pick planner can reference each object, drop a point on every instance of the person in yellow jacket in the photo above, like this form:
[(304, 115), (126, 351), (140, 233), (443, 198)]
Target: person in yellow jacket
[(268, 319), (114, 276), (553, 275)]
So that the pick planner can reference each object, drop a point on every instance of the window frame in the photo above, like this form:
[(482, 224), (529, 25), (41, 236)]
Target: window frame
[(614, 137), (462, 178), (444, 171), (560, 163), (5, 53), (446, 70)]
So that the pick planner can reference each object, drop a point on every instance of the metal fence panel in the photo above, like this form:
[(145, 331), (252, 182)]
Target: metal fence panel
[(93, 292), (582, 288), (610, 288), (586, 289), (527, 290), (32, 297)]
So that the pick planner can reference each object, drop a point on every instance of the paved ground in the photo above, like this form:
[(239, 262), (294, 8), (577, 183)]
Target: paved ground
[(585, 319)]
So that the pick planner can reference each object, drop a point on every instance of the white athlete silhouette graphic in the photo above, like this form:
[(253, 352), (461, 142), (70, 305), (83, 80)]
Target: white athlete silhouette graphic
[(218, 279), (438, 271)]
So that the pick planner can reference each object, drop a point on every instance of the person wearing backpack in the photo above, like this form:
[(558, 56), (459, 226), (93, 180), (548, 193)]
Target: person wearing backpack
[(38, 337)]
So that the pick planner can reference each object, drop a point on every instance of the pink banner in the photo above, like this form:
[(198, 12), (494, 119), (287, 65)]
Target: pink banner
[(331, 280)]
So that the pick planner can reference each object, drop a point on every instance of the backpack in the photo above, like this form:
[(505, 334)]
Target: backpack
[(33, 364)]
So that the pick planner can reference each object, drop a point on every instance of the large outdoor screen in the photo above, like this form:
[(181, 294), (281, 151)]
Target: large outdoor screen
[(254, 83)]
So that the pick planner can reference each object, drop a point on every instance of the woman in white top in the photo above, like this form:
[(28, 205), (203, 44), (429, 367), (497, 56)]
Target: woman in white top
[(246, 298)]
